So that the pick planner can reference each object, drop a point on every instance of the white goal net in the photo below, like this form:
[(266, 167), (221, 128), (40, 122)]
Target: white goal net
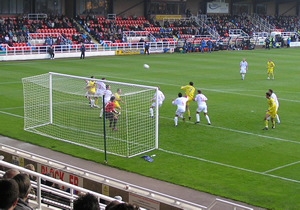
[(55, 106)]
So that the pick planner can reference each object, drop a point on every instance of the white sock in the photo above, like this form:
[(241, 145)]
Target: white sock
[(277, 118), (101, 112), (207, 118), (92, 102), (243, 76), (197, 117), (151, 112), (176, 120)]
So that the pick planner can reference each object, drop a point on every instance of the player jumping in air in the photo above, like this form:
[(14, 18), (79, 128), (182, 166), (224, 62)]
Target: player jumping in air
[(270, 112), (270, 66), (189, 93), (107, 94), (201, 100), (161, 98), (91, 87), (181, 105), (101, 87)]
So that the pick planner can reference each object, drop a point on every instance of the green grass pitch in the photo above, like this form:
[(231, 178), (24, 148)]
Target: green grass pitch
[(233, 157)]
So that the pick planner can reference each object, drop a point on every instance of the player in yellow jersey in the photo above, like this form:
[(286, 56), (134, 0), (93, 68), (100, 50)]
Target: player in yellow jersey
[(270, 112), (270, 66), (117, 99), (91, 87), (189, 93)]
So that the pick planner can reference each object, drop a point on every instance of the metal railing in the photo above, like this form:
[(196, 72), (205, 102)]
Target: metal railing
[(42, 188), (237, 33), (106, 46), (264, 21), (91, 176)]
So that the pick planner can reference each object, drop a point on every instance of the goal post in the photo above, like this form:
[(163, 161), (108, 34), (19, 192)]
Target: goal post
[(55, 106)]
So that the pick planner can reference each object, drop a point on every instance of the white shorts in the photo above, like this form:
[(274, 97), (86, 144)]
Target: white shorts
[(243, 71), (99, 93), (159, 104), (179, 112), (202, 109)]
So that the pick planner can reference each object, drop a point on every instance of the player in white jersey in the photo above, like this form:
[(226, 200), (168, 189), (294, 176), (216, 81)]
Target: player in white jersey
[(160, 99), (101, 87), (273, 95), (201, 100), (181, 105), (243, 68), (107, 95)]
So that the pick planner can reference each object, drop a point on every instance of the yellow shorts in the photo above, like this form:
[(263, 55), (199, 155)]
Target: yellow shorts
[(272, 114), (189, 100), (270, 71)]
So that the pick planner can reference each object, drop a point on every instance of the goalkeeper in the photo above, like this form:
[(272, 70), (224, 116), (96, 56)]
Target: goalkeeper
[(111, 114)]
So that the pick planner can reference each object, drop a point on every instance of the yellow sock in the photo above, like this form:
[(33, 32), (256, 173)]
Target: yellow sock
[(96, 101), (266, 123), (273, 123), (189, 113)]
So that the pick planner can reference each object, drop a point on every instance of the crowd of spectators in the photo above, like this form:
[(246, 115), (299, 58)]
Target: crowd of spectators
[(15, 188)]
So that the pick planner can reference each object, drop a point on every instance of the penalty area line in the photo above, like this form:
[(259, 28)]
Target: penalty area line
[(229, 166)]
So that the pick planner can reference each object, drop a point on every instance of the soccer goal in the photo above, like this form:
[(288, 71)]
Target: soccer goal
[(55, 106)]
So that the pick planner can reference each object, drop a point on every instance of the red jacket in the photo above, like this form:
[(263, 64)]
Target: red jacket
[(110, 107)]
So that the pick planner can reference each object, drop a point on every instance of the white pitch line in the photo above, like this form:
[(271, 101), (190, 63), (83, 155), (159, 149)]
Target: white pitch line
[(274, 169), (213, 162), (230, 166), (14, 115)]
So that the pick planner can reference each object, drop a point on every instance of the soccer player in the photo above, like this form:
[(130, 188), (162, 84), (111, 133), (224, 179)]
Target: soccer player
[(270, 66), (110, 113), (101, 87), (189, 93), (181, 107), (161, 98), (107, 96), (91, 87), (201, 100), (243, 68), (117, 96), (270, 112), (273, 95)]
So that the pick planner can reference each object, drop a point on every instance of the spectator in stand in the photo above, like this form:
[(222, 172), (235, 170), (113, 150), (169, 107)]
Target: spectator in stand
[(87, 202), (9, 193), (32, 168), (10, 173), (24, 190)]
